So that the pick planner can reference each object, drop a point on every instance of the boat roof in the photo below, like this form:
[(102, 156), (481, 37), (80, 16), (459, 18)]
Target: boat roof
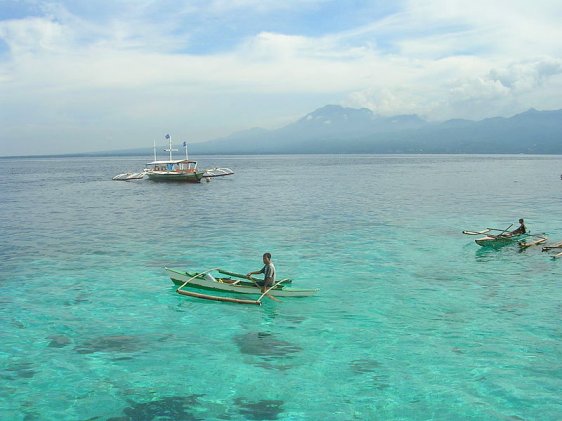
[(173, 161)]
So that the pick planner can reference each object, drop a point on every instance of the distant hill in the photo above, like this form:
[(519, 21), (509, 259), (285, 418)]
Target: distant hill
[(335, 129)]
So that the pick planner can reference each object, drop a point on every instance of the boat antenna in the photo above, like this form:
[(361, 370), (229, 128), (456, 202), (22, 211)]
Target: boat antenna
[(185, 146), (154, 148), (170, 146)]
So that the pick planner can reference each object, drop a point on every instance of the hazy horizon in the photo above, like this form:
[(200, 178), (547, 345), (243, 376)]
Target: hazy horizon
[(99, 76)]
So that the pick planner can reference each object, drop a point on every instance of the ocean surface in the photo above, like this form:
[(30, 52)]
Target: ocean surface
[(413, 320)]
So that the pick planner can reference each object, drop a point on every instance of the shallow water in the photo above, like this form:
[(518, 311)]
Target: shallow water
[(413, 320)]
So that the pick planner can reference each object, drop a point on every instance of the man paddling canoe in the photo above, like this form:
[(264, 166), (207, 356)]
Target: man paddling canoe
[(268, 271), (522, 229)]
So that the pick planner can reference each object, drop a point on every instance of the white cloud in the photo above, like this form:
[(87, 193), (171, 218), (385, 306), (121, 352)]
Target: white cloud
[(525, 76), (32, 36)]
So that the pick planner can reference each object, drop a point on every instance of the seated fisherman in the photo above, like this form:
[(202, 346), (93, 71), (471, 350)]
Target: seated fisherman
[(268, 271), (522, 229)]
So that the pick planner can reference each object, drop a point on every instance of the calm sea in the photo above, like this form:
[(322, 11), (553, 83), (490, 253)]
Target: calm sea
[(413, 321)]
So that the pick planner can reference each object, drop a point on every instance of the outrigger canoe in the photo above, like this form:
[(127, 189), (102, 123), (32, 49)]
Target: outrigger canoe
[(504, 238), (231, 282)]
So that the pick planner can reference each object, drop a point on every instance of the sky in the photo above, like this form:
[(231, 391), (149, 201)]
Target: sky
[(92, 75)]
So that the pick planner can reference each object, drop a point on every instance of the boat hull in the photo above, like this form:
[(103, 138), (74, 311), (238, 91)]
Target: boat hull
[(192, 177), (497, 241), (179, 277)]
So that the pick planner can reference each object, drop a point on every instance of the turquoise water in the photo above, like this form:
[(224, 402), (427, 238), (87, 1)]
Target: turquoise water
[(413, 319)]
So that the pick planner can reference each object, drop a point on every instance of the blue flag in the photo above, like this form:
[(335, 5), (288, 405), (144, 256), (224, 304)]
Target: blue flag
[(167, 136), (184, 144)]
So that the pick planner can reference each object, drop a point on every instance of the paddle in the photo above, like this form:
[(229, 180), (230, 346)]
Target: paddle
[(240, 275), (498, 229), (237, 275), (255, 281), (485, 231), (501, 233)]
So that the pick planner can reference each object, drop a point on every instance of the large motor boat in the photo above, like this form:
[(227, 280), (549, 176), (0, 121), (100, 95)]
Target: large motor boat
[(174, 169)]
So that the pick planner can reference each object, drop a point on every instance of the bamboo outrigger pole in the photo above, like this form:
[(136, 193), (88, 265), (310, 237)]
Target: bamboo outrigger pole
[(525, 244), (217, 298), (270, 288)]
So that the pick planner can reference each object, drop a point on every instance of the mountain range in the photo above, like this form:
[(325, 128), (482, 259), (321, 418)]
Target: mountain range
[(336, 129)]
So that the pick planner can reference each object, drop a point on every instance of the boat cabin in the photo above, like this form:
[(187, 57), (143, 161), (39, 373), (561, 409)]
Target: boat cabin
[(181, 166)]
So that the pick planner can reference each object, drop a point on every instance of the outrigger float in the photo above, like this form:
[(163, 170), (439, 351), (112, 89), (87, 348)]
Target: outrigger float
[(505, 238), (128, 176), (556, 246), (232, 282)]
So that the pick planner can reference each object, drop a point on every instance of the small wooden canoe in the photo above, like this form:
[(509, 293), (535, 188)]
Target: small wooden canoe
[(203, 280)]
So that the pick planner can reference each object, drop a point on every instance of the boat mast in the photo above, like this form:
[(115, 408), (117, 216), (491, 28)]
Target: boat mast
[(154, 148), (185, 146), (170, 146)]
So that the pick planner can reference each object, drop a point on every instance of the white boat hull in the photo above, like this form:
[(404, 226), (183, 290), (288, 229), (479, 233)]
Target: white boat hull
[(191, 177)]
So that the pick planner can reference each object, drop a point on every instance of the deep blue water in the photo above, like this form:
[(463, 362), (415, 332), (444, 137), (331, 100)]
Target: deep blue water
[(413, 319)]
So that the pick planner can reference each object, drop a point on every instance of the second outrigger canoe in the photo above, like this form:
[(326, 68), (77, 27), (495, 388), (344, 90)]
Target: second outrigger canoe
[(505, 238), (231, 282)]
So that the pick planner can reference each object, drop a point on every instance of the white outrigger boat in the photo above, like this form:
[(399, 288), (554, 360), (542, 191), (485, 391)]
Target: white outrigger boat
[(231, 282), (173, 169)]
